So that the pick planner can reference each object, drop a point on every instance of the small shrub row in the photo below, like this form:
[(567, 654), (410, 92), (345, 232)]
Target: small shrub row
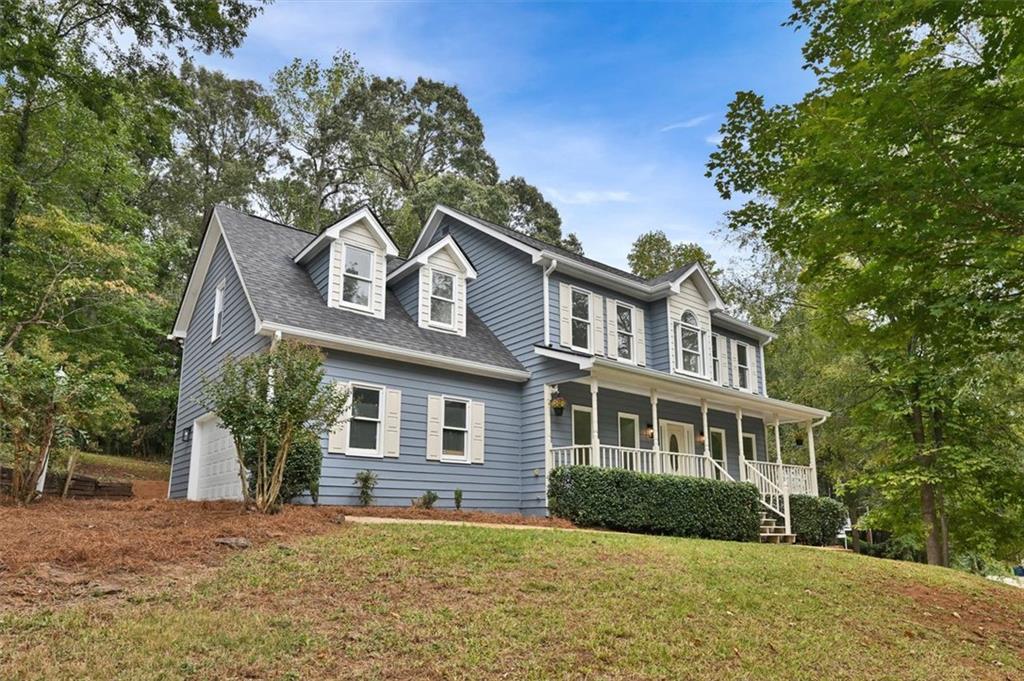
[(816, 520), (654, 504)]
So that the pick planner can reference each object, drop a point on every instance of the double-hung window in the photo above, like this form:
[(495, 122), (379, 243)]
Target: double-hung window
[(356, 276), (364, 428), (455, 433), (442, 299), (691, 356), (580, 319), (743, 365), (624, 329), (716, 361)]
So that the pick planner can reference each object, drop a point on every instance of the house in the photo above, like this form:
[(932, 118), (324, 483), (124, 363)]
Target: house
[(453, 356)]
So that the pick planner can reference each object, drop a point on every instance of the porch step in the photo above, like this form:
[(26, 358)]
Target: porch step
[(777, 538)]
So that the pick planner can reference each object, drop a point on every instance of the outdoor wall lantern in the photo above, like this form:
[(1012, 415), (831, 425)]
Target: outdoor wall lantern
[(700, 437), (649, 431)]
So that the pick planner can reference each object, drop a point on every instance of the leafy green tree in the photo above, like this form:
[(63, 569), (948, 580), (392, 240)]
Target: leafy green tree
[(654, 254), (268, 401), (46, 396), (888, 184)]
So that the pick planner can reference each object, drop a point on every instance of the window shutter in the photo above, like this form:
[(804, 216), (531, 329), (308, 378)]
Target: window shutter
[(424, 309), (337, 437), (723, 362), (460, 305), (392, 422), (613, 328), (435, 414), (564, 319), (476, 435), (597, 323), (735, 359), (640, 334)]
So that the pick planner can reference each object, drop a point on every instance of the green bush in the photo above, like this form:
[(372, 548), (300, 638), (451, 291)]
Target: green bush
[(655, 504), (301, 468), (366, 481), (426, 500), (816, 520)]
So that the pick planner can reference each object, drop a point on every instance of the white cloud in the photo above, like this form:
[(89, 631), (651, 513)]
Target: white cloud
[(714, 140), (585, 197), (688, 123)]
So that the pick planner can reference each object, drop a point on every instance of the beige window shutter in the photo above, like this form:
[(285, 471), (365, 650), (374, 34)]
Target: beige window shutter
[(735, 359), (597, 323), (424, 309), (723, 362), (476, 434), (435, 415), (564, 314), (337, 438), (613, 328), (460, 305), (639, 333), (392, 422)]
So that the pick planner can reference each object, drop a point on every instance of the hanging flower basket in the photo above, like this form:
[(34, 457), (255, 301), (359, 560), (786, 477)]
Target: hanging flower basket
[(558, 404)]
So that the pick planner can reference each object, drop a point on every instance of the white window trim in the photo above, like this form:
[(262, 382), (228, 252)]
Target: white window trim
[(750, 368), (680, 367), (572, 435), (217, 324), (373, 270), (753, 447), (465, 458), (631, 334), (725, 445), (454, 300), (716, 362), (635, 418), (377, 453), (589, 320)]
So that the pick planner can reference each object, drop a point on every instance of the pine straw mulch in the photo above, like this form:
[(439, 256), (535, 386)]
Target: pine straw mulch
[(55, 552)]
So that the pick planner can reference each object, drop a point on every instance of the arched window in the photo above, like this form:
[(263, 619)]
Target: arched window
[(689, 340)]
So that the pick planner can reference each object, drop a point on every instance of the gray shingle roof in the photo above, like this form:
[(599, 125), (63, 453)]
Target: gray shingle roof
[(670, 276), (283, 292)]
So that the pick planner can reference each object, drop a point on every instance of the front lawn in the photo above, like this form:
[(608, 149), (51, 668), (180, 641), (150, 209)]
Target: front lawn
[(438, 602)]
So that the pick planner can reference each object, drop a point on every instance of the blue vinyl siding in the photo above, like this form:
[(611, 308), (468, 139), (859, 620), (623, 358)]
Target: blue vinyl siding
[(407, 290), (493, 485), (200, 357), (508, 296), (658, 342), (611, 402), (319, 271), (650, 332)]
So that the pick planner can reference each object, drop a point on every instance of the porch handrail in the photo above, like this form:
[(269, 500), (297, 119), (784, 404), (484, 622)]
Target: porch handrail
[(799, 478), (772, 496)]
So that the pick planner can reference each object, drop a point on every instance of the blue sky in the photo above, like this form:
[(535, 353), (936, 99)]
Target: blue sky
[(611, 109)]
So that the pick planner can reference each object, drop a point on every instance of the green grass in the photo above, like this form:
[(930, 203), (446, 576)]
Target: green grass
[(418, 601), (106, 466)]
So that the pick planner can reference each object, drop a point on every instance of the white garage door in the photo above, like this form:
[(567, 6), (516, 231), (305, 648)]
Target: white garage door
[(213, 473)]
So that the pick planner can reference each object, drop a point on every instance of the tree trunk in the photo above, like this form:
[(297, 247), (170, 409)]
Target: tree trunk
[(929, 508), (939, 440), (12, 198)]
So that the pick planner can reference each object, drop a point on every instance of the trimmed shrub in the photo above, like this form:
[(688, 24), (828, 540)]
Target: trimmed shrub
[(816, 520), (655, 504), (301, 468)]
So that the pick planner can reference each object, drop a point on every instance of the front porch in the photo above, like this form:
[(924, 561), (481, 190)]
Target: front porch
[(663, 430)]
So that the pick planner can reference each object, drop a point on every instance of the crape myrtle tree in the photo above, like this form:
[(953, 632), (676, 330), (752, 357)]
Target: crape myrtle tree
[(894, 183), (270, 401)]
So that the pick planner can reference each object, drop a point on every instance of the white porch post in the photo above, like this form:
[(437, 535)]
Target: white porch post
[(778, 442), (548, 463), (739, 441), (812, 462), (595, 442), (710, 468), (658, 467)]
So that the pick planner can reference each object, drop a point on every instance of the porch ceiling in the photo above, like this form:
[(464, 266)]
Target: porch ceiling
[(641, 380)]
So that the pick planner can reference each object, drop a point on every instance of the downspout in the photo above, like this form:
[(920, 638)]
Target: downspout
[(547, 303)]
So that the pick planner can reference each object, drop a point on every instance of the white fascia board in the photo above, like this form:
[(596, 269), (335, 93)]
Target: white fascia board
[(374, 349), (332, 232), (729, 322), (438, 214), (446, 243), (214, 233)]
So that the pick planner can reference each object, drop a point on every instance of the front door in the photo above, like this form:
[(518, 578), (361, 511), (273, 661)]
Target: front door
[(677, 438)]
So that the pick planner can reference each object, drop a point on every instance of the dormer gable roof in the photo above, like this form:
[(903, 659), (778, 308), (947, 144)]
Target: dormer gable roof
[(696, 273), (361, 215), (447, 244)]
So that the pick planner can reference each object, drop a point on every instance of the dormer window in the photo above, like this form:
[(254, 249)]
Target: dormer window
[(689, 342), (357, 276), (442, 299)]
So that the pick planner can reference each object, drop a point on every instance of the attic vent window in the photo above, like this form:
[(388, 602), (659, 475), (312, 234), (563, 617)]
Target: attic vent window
[(357, 276), (442, 299)]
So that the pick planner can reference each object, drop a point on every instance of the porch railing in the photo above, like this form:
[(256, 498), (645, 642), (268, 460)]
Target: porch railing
[(639, 460), (799, 479), (774, 496)]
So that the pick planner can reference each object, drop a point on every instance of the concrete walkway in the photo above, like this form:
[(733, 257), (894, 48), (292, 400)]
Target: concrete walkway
[(377, 520)]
